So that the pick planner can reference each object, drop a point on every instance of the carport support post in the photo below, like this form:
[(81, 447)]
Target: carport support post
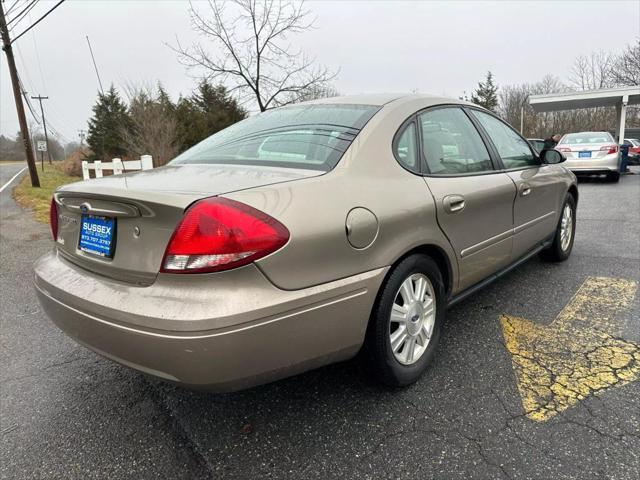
[(621, 110)]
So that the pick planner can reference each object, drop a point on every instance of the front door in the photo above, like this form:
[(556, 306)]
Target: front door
[(474, 201), (539, 186)]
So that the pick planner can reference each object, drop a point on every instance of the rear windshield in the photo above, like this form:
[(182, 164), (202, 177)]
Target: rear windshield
[(301, 136), (589, 137)]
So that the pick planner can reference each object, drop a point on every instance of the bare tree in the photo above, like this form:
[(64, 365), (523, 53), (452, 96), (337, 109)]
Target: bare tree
[(315, 92), (255, 59), (592, 72), (153, 129), (625, 70), (597, 70), (544, 124)]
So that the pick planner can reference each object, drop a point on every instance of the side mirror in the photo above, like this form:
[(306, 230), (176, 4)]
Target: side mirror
[(552, 157)]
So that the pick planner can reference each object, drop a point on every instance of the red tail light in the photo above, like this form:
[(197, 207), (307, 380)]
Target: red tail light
[(563, 149), (609, 149), (53, 219), (220, 234)]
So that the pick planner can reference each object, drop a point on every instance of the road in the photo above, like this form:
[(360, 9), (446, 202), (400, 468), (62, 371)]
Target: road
[(68, 413)]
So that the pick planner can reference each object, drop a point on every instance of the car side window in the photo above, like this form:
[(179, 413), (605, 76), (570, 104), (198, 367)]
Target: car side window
[(451, 144), (512, 148), (406, 150)]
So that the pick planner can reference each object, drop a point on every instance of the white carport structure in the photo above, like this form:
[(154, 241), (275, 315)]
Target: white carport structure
[(606, 97)]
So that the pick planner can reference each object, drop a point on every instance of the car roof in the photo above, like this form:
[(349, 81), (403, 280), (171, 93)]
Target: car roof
[(588, 131), (380, 99)]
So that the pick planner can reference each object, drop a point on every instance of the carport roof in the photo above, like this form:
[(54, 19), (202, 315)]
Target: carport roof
[(606, 97)]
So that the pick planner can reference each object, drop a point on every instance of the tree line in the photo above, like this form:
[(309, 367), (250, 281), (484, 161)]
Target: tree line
[(254, 63), (13, 148), (589, 72), (151, 123)]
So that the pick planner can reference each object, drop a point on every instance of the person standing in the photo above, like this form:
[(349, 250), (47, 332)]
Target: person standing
[(551, 142)]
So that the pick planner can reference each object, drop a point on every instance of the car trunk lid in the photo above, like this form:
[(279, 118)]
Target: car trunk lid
[(584, 151), (141, 210)]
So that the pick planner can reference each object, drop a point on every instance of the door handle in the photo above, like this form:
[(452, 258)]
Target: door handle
[(525, 189), (453, 203)]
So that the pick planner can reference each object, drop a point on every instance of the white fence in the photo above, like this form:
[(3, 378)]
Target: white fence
[(117, 166)]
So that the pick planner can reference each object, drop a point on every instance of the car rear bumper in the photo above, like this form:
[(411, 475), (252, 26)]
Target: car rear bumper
[(609, 163), (218, 332)]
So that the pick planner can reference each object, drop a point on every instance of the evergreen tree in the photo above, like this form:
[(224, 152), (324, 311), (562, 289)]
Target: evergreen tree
[(486, 95), (110, 120), (208, 110)]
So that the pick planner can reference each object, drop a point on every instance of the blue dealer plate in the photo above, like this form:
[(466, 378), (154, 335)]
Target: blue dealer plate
[(97, 235), (584, 154)]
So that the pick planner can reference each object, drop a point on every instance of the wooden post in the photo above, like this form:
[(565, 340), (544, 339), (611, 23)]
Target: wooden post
[(146, 162), (85, 170), (117, 166)]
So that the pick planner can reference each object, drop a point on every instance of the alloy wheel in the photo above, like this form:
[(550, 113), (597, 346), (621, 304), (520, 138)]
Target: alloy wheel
[(566, 227), (412, 319)]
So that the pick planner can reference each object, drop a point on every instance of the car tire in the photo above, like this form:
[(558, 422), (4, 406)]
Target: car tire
[(560, 249), (397, 369), (613, 177)]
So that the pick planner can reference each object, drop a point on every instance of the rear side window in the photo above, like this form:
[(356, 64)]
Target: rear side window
[(406, 148), (512, 148), (301, 136), (451, 143)]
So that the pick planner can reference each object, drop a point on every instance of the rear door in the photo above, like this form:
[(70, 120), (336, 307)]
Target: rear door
[(474, 200), (540, 187)]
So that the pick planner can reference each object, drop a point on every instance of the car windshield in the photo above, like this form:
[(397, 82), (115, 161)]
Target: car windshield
[(300, 136), (589, 137)]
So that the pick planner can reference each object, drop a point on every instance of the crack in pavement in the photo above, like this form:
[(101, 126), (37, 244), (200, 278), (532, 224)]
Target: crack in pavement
[(561, 364)]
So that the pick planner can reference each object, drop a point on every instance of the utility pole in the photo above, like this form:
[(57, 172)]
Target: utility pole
[(522, 114), (81, 135), (44, 124), (22, 119)]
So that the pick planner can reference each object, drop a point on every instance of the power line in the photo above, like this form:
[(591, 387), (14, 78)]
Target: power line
[(35, 47), (22, 13), (26, 99), (24, 68), (53, 110), (38, 21), (10, 9), (15, 4)]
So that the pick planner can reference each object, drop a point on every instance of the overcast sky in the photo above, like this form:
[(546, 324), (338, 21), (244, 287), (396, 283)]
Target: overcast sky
[(432, 47)]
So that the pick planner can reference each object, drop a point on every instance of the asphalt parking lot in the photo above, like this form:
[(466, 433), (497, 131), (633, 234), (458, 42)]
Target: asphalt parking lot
[(537, 377)]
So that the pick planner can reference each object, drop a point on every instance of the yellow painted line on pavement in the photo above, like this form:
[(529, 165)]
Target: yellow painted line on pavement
[(578, 355)]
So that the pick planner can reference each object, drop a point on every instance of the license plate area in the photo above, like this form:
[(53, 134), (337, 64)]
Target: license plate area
[(97, 235), (584, 154)]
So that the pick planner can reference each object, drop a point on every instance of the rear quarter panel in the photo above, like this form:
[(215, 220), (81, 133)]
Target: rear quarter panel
[(315, 212)]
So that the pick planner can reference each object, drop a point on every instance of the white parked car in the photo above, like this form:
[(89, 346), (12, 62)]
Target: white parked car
[(591, 153)]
